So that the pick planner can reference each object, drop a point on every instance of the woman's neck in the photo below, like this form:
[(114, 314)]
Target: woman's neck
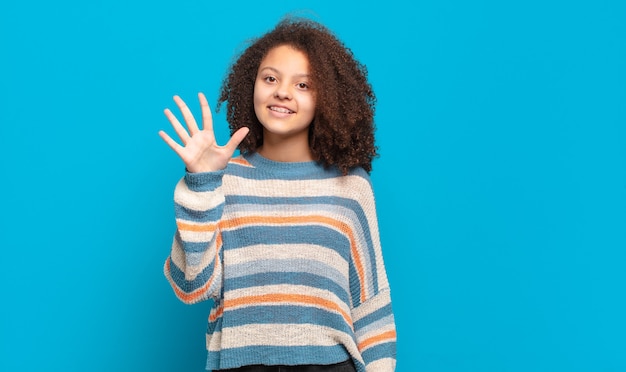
[(289, 150)]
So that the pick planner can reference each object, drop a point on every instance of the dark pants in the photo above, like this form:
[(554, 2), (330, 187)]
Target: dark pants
[(346, 366)]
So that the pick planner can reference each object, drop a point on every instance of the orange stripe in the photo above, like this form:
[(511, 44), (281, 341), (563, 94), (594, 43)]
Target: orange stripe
[(240, 161), (196, 228), (214, 315), (343, 227), (218, 244), (277, 297), (387, 336)]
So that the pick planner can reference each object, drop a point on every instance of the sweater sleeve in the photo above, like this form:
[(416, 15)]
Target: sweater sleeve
[(194, 267), (372, 314), (375, 331)]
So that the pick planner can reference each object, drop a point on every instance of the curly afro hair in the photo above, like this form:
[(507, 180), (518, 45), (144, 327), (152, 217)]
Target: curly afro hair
[(342, 131)]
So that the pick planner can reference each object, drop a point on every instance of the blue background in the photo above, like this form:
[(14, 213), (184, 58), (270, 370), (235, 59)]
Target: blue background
[(501, 188)]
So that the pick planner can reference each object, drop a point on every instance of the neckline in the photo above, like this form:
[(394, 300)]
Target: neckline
[(259, 160), (287, 170)]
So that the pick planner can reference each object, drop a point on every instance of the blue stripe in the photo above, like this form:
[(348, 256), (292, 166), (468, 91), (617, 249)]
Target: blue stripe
[(384, 322), (284, 314), (293, 278), (291, 265), (276, 355), (331, 201), (373, 317), (200, 182), (281, 171), (212, 215)]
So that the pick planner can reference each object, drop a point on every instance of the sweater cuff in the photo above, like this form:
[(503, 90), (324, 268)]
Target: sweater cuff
[(205, 181)]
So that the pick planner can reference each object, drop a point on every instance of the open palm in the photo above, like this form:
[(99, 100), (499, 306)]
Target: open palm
[(199, 150)]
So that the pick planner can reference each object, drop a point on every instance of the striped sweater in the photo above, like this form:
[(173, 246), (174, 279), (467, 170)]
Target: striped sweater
[(291, 256)]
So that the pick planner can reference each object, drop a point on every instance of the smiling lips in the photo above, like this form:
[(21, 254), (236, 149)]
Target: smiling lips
[(282, 110)]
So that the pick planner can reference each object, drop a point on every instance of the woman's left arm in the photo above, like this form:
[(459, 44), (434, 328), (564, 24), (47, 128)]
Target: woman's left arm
[(372, 313)]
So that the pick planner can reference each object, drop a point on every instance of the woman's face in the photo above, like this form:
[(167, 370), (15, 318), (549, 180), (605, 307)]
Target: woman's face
[(284, 100)]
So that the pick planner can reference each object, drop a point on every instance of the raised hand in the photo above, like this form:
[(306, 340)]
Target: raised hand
[(199, 151)]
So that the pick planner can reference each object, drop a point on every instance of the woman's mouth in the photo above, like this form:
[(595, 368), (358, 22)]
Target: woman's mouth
[(282, 110)]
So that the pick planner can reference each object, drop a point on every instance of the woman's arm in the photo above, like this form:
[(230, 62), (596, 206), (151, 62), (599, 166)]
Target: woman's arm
[(194, 266), (372, 314)]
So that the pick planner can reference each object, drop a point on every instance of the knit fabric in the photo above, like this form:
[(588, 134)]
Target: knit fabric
[(290, 254)]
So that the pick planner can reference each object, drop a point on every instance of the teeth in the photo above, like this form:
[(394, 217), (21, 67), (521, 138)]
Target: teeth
[(281, 109)]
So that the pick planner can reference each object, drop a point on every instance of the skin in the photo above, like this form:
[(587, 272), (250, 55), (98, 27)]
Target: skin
[(199, 150), (284, 102)]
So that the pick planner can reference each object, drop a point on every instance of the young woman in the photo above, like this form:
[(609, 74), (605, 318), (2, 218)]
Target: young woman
[(284, 237)]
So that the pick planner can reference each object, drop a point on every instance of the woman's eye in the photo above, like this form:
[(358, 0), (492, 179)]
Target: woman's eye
[(270, 79), (303, 85)]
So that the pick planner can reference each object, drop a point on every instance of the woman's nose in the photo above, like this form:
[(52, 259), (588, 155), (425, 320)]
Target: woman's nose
[(282, 92)]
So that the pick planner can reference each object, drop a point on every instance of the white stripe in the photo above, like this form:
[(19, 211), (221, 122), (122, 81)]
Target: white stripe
[(335, 186), (195, 200), (214, 341), (283, 335), (380, 300), (381, 365)]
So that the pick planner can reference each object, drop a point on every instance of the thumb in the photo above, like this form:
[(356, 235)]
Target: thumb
[(236, 138)]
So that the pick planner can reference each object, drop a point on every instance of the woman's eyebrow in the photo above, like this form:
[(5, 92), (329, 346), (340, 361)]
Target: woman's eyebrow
[(274, 70), (269, 68)]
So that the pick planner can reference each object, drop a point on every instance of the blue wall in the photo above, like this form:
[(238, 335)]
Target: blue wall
[(501, 187)]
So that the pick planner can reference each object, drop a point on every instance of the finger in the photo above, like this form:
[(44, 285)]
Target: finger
[(192, 126), (207, 116), (236, 139), (178, 127), (171, 143)]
